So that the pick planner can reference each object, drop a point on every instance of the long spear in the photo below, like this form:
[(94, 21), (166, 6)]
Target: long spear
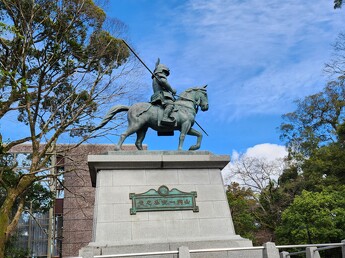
[(141, 61)]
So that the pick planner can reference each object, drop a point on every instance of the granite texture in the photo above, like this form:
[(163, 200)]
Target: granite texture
[(113, 224)]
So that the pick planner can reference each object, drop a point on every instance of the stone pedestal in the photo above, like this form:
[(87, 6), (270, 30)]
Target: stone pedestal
[(118, 174)]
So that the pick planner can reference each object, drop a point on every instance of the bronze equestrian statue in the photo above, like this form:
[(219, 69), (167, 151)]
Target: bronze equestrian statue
[(141, 116), (163, 113)]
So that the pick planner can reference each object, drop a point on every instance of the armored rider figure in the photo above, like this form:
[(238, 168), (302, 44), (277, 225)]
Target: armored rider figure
[(163, 93)]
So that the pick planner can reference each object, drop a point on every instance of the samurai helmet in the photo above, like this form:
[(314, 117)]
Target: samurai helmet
[(161, 68)]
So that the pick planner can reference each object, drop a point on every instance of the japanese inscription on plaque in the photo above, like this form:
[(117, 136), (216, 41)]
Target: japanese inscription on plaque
[(163, 200)]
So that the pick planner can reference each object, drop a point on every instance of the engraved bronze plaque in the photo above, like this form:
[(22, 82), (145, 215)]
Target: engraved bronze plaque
[(163, 200)]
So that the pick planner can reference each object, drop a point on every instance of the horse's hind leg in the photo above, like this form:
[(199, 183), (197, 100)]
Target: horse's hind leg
[(196, 133), (130, 130), (140, 138)]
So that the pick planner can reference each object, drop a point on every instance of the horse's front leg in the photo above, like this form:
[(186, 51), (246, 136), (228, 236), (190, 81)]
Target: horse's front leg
[(184, 129), (196, 133)]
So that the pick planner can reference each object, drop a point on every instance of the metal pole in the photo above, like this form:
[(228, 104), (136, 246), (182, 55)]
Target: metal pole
[(30, 230), (51, 226), (200, 127)]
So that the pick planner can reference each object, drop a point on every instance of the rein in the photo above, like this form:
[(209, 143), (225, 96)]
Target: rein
[(195, 104), (195, 109), (184, 98)]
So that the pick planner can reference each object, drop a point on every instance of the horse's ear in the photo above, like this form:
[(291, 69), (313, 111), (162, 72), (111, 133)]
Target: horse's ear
[(158, 61)]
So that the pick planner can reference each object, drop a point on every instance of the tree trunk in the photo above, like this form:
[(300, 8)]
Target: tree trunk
[(3, 226), (5, 212), (8, 224)]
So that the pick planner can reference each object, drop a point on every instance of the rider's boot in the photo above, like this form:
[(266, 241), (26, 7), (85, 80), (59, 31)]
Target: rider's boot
[(167, 120)]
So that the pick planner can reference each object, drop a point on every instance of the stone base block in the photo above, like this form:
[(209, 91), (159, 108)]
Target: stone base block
[(116, 230), (120, 175)]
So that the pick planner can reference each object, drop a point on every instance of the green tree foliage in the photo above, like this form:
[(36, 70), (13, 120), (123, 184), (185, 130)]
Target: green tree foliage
[(58, 66), (273, 200), (306, 203), (242, 206), (314, 179), (314, 217), (326, 167), (13, 251), (316, 121), (257, 215), (261, 199), (291, 181), (338, 3), (314, 133)]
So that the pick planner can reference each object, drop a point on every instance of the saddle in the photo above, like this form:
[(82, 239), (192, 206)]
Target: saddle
[(165, 129)]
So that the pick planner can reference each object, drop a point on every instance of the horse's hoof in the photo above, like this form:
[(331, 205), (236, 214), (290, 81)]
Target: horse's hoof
[(194, 147), (139, 147)]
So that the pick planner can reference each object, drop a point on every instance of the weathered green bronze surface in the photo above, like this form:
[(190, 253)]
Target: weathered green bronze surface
[(163, 200), (141, 116), (163, 114)]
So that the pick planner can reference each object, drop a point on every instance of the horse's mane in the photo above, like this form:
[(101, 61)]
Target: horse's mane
[(192, 89)]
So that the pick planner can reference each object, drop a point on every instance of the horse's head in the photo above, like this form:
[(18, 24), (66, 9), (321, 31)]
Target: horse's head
[(198, 96), (203, 100)]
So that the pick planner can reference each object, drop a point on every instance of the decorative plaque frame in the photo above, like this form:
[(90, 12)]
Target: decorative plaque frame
[(163, 200)]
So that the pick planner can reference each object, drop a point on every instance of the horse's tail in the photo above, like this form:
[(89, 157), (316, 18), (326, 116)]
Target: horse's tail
[(111, 113)]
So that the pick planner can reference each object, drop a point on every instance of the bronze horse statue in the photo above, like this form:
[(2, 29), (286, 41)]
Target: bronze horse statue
[(141, 116)]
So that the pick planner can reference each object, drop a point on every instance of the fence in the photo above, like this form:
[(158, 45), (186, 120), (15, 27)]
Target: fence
[(269, 250), (311, 251)]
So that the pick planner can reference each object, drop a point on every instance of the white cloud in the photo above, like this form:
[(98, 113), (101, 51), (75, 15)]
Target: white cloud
[(270, 154), (267, 151)]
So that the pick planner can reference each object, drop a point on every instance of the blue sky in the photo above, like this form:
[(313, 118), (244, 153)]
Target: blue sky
[(256, 56)]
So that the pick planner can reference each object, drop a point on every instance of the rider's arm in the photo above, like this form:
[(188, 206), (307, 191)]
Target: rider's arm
[(163, 82)]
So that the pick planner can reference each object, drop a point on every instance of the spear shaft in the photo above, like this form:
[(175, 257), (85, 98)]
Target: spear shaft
[(141, 61)]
